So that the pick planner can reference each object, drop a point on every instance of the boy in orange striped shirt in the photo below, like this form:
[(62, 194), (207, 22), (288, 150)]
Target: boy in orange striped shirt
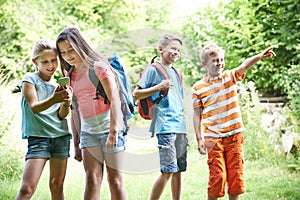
[(217, 111)]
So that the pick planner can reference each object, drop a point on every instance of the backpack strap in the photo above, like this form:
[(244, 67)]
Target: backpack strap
[(153, 59), (161, 69), (97, 83), (162, 93), (179, 75)]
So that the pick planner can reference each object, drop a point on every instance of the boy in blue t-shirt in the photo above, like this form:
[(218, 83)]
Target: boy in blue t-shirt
[(170, 126)]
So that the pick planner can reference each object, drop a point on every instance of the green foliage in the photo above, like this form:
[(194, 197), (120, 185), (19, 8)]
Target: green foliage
[(265, 128), (245, 28), (6, 117), (10, 168), (256, 144), (24, 22), (280, 22), (292, 82)]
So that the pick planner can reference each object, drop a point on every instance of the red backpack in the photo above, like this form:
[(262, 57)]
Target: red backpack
[(148, 108)]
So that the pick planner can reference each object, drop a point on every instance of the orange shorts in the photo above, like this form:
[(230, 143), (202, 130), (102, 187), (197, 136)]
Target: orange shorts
[(226, 164)]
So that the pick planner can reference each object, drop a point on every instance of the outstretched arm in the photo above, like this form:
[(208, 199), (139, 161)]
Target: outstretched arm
[(31, 97), (249, 62)]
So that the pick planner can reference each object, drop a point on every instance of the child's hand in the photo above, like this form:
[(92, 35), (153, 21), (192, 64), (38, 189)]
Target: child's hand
[(112, 140), (62, 94), (78, 155), (69, 91), (165, 84), (201, 147), (268, 53)]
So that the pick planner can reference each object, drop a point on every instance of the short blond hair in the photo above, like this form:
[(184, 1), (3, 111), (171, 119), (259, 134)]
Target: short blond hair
[(40, 46), (166, 39), (210, 50)]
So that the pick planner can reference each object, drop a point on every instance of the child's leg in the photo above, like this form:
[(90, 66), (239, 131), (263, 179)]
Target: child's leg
[(114, 162), (60, 152), (159, 185), (58, 168), (235, 165), (94, 171), (176, 185), (168, 163), (234, 197), (181, 144), (31, 176), (37, 155), (211, 198)]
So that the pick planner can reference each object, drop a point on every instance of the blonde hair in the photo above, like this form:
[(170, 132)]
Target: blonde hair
[(210, 50), (40, 46), (166, 39)]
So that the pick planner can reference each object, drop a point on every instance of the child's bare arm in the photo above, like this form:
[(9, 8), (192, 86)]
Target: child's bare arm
[(197, 127), (249, 62), (65, 106), (37, 106), (76, 126), (140, 93)]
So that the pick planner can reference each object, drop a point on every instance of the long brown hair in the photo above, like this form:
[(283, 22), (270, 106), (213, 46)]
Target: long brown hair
[(80, 45)]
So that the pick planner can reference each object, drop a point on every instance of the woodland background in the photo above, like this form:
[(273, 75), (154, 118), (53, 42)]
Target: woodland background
[(131, 28)]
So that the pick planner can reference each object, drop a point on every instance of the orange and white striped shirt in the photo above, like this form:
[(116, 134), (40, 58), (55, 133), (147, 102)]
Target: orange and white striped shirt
[(218, 100)]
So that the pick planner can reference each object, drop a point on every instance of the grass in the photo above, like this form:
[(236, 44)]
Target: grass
[(263, 182)]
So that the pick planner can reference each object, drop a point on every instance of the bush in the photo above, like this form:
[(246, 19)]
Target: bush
[(271, 130), (256, 143), (10, 167), (293, 90)]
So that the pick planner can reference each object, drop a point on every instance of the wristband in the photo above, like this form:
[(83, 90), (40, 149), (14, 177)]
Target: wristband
[(67, 105)]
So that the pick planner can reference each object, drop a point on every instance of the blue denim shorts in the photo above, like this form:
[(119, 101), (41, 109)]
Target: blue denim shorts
[(39, 147), (91, 140), (172, 152)]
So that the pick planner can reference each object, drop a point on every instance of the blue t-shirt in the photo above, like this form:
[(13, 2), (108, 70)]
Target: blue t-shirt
[(46, 123), (170, 117)]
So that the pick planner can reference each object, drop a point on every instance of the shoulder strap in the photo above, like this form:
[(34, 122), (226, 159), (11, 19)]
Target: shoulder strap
[(163, 71), (160, 68), (179, 75), (97, 83)]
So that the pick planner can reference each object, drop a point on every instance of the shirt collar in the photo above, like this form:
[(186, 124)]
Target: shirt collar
[(209, 79)]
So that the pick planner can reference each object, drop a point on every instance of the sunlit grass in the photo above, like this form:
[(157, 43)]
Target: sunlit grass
[(265, 183)]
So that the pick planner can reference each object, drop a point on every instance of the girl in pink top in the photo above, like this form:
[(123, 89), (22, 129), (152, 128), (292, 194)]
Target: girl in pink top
[(96, 125)]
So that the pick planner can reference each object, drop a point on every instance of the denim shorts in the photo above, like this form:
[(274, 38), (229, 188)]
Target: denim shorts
[(40, 147), (172, 152), (91, 140)]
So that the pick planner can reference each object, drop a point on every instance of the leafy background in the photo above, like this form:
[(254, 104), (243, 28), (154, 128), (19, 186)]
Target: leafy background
[(242, 28), (131, 27)]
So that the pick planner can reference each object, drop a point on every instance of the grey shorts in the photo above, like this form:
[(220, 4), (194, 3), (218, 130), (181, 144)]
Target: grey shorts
[(40, 147), (172, 152), (91, 140)]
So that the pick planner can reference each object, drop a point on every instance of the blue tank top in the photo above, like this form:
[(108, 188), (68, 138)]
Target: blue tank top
[(46, 123)]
